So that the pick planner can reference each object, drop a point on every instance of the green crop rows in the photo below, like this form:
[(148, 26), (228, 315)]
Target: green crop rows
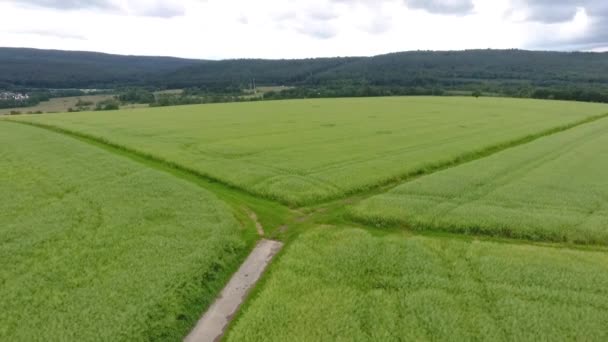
[(125, 225), (302, 152), (555, 189), (96, 247), (347, 285)]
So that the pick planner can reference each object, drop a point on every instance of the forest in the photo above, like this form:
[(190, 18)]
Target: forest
[(513, 73)]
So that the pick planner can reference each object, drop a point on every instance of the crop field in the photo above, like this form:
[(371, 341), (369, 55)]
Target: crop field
[(402, 218), (345, 284), (94, 246), (306, 151), (555, 188)]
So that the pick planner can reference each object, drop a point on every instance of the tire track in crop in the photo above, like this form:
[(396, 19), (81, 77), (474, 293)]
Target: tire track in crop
[(489, 301), (514, 172)]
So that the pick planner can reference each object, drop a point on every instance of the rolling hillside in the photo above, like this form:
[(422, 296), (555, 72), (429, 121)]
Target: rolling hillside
[(509, 68)]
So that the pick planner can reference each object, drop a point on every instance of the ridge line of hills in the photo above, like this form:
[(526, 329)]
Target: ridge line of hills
[(25, 67)]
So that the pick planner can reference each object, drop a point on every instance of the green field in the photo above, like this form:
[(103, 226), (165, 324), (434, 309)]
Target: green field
[(348, 285), (94, 246), (305, 151), (554, 188), (124, 225)]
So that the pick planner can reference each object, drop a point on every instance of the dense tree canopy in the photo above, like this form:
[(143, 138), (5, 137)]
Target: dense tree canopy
[(560, 75)]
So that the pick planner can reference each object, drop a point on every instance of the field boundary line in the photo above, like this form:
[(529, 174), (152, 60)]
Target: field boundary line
[(212, 325), (467, 157), (365, 191), (92, 139)]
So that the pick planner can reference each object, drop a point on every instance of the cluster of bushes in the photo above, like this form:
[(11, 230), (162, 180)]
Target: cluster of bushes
[(164, 100), (586, 95), (17, 112), (136, 95), (591, 94), (350, 91), (109, 104)]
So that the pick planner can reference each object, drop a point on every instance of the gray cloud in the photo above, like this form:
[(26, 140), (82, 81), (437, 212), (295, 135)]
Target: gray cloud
[(157, 8), (160, 9), (69, 4), (454, 7), (561, 11), (314, 22), (555, 11)]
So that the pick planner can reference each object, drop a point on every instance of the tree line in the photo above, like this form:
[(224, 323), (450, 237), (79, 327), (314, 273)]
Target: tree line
[(517, 73)]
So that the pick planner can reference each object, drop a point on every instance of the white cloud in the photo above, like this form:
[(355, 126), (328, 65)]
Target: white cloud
[(296, 28)]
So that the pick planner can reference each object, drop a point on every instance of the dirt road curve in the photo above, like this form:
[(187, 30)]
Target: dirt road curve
[(212, 325)]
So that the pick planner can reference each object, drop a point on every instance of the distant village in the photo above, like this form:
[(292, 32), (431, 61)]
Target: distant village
[(7, 95)]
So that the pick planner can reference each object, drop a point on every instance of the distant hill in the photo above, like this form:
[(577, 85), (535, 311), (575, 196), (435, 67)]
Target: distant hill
[(244, 71), (514, 65), (76, 69), (451, 69)]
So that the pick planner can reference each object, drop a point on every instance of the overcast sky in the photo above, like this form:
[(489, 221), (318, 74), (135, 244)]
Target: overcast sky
[(217, 29)]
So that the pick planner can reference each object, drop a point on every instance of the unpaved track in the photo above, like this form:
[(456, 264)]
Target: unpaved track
[(212, 325), (258, 225)]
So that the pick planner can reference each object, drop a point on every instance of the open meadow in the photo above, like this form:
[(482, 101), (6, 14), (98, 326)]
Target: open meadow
[(555, 189), (97, 247), (305, 151), (345, 284)]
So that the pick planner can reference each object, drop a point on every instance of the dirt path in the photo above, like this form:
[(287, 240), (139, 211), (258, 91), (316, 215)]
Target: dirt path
[(258, 225), (212, 325)]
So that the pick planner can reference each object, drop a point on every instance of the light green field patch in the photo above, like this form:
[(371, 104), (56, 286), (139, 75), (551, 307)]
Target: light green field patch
[(347, 285), (555, 188), (96, 247), (304, 151)]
